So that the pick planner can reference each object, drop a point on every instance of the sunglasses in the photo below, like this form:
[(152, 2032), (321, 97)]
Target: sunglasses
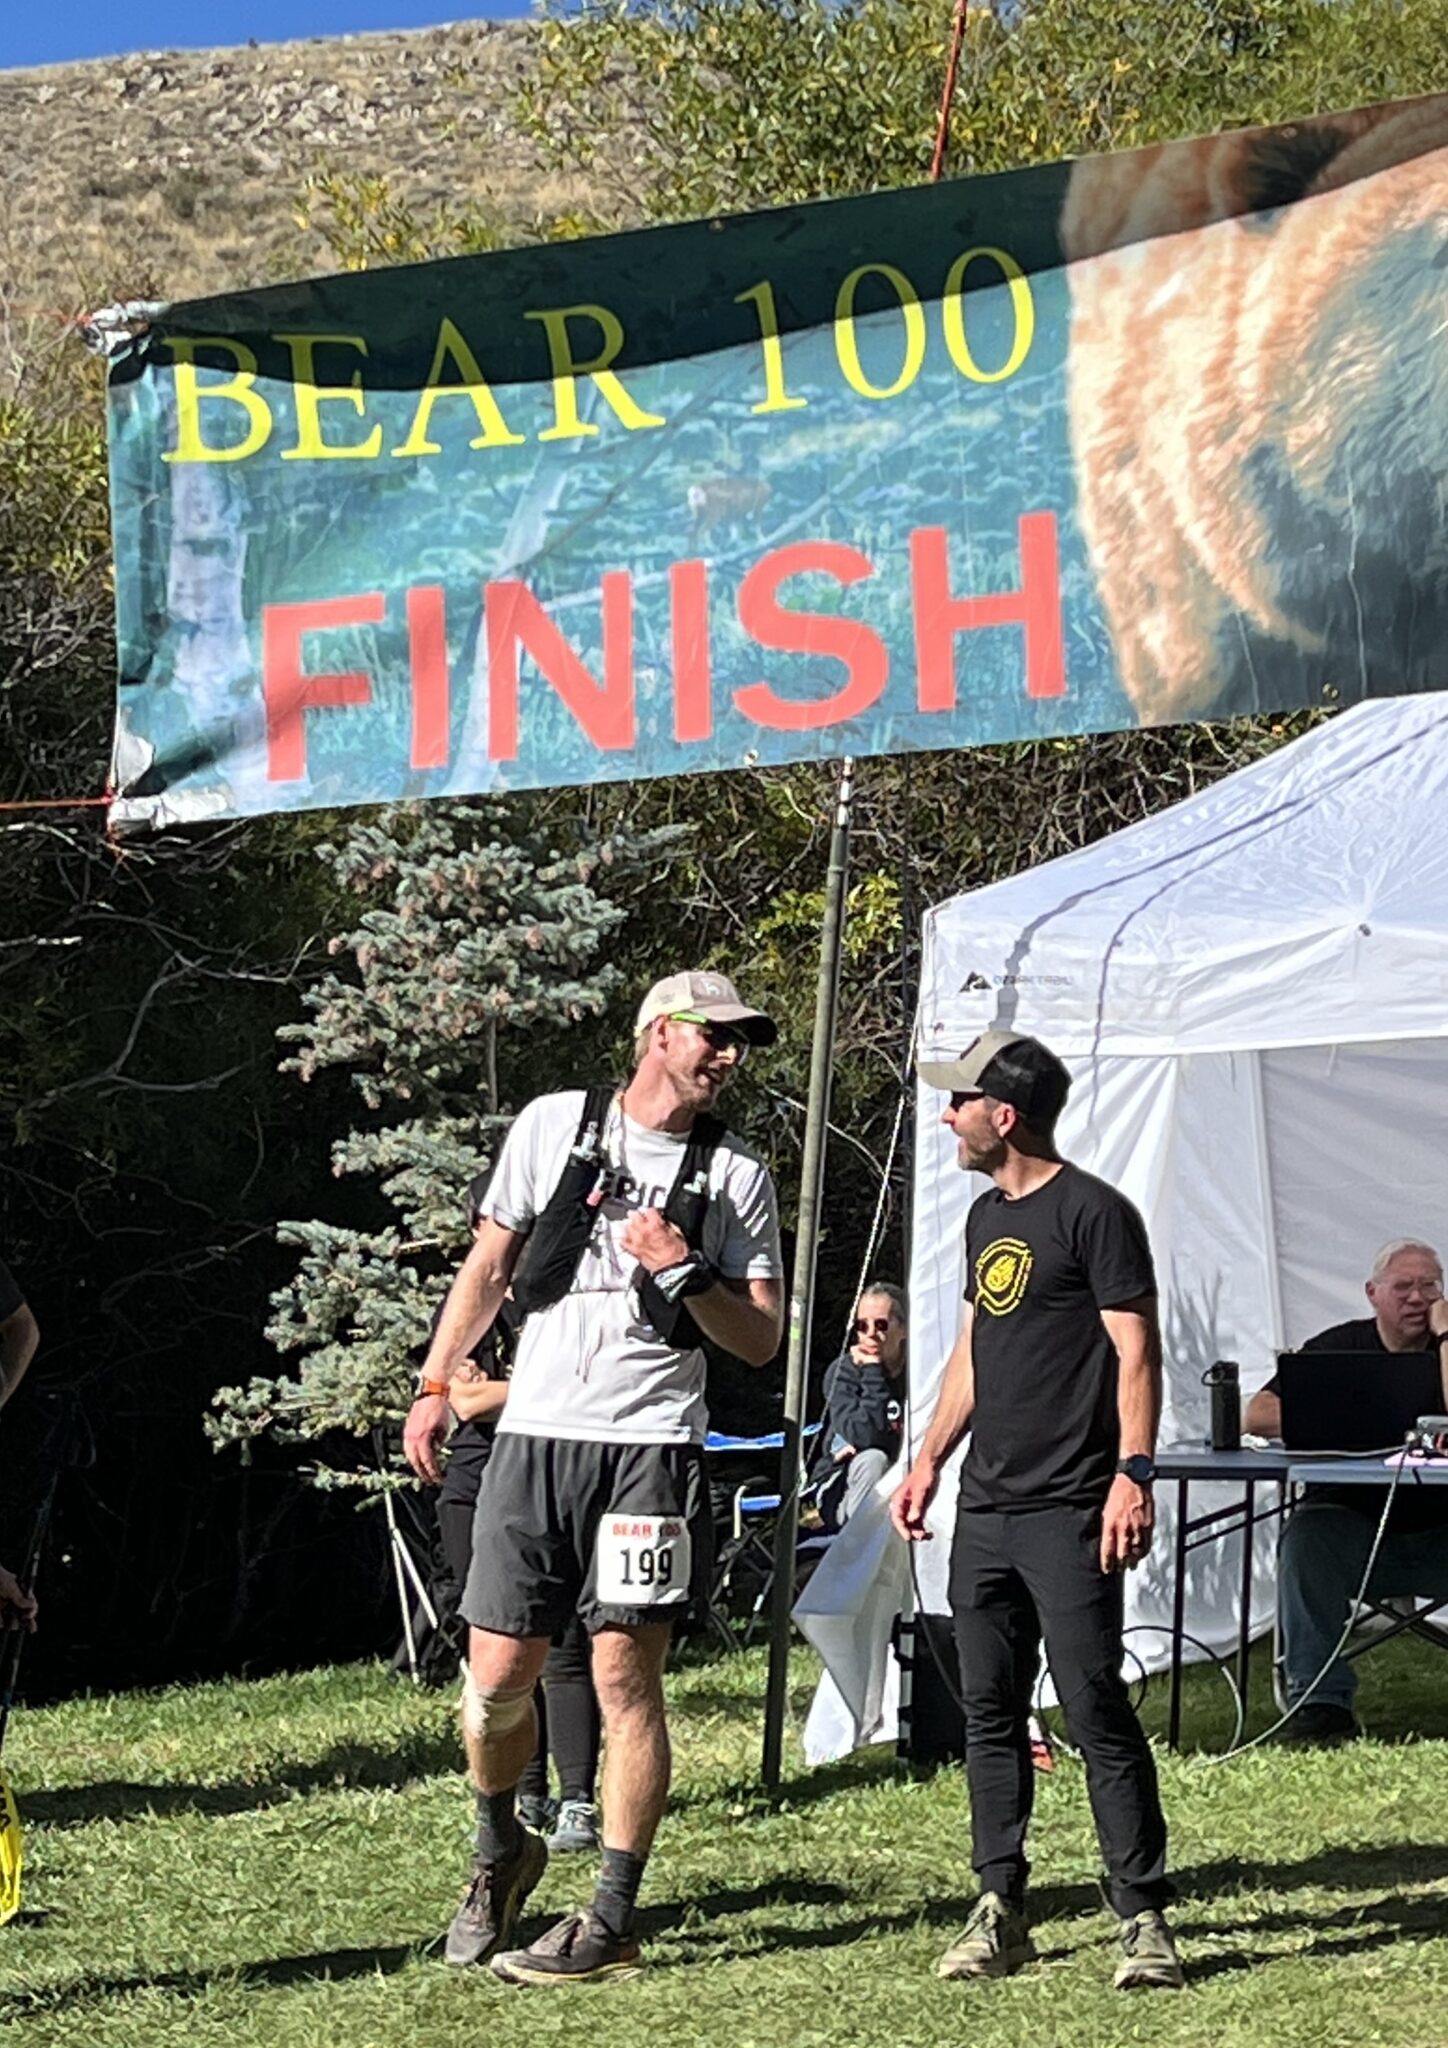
[(872, 1326), (722, 1037), (960, 1097)]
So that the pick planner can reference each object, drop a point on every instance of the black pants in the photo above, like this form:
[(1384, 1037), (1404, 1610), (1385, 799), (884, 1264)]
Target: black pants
[(566, 1704), (1014, 1579)]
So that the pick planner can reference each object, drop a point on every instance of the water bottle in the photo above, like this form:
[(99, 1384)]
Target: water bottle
[(1226, 1404)]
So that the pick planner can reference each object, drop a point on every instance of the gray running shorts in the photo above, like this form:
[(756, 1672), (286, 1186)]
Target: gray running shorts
[(536, 1535)]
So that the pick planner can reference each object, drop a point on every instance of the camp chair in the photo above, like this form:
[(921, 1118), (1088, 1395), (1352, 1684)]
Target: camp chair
[(743, 1573)]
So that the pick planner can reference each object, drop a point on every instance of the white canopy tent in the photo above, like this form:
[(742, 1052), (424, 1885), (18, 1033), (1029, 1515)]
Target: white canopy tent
[(1251, 990)]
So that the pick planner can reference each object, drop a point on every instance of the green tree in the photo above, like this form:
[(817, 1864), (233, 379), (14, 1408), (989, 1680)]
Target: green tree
[(481, 945)]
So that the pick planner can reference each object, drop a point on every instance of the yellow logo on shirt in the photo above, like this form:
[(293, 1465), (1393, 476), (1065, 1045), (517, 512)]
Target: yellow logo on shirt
[(1001, 1273)]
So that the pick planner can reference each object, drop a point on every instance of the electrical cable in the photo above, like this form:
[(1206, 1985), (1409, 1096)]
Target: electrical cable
[(1241, 1748)]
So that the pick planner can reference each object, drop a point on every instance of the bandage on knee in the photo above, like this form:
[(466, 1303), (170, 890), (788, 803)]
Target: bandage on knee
[(493, 1710)]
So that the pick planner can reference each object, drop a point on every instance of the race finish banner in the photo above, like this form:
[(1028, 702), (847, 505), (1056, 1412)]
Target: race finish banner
[(1140, 438)]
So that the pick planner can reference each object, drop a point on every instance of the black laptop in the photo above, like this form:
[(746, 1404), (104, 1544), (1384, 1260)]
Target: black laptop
[(1355, 1400)]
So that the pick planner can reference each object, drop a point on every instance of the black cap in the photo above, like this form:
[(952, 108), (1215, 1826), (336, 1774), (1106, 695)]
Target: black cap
[(1008, 1066)]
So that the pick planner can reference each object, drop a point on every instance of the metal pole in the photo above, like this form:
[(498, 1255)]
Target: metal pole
[(801, 1300)]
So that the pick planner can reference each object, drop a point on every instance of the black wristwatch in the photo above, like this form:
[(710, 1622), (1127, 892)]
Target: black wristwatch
[(1439, 1337), (691, 1275), (1138, 1468)]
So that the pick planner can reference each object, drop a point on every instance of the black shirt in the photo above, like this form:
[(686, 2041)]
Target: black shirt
[(1416, 1507), (1039, 1271)]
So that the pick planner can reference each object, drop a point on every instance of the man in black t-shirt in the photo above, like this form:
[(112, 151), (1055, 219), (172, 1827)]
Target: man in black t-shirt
[(1327, 1540), (1057, 1374)]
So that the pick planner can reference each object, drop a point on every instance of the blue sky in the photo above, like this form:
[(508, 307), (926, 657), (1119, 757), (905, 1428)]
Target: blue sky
[(54, 31)]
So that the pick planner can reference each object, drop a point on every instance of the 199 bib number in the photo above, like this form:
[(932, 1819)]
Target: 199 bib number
[(642, 1561)]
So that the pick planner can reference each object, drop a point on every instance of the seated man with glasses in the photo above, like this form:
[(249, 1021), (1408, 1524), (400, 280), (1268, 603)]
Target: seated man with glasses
[(1329, 1536), (864, 1403)]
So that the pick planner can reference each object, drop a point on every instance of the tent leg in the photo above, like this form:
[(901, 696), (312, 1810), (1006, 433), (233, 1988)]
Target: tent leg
[(394, 1535), (801, 1300)]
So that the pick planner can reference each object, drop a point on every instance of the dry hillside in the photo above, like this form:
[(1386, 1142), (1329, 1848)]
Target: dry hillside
[(170, 174)]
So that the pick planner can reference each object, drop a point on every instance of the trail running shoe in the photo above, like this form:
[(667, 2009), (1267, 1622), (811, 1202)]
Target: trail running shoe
[(579, 1950), (995, 1942), (1149, 1960), (489, 1912), (577, 1827)]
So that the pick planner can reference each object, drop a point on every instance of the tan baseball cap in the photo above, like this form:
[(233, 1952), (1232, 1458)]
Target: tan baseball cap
[(1008, 1066), (707, 998)]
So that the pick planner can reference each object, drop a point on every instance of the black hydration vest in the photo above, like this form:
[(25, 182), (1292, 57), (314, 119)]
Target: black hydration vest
[(548, 1264)]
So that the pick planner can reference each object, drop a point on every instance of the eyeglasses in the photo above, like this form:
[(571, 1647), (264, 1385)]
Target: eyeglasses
[(723, 1037), (872, 1326)]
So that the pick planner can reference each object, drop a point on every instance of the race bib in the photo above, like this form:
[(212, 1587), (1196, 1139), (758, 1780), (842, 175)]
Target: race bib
[(642, 1560)]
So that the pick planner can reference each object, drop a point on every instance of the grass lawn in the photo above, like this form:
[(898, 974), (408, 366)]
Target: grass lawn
[(271, 1862)]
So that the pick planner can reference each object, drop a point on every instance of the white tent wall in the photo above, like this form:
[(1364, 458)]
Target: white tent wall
[(1357, 1139)]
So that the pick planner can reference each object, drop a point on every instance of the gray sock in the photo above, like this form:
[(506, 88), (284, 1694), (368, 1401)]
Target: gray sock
[(619, 1878)]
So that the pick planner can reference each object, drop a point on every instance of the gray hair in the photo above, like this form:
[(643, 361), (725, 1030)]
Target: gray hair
[(894, 1295), (1394, 1249)]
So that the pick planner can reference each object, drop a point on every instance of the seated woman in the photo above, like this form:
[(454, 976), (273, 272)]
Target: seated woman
[(864, 1403)]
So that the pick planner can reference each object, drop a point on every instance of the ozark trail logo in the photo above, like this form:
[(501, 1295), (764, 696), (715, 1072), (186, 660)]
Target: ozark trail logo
[(1001, 1273), (975, 981)]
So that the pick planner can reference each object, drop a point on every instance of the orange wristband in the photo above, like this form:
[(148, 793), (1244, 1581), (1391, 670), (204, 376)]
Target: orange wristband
[(425, 1386)]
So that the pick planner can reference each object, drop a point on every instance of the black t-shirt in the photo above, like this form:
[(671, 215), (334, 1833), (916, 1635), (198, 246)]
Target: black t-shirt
[(1416, 1507), (1039, 1271), (11, 1298)]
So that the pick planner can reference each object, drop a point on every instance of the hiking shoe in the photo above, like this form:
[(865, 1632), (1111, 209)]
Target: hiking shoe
[(995, 1942), (1149, 1959), (577, 1827), (579, 1950), (489, 1912), (538, 1811), (1319, 1722)]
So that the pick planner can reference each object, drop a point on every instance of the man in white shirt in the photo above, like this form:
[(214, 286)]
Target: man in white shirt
[(594, 1498)]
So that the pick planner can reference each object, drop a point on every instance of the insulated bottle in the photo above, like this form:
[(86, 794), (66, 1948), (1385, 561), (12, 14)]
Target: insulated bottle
[(1226, 1405)]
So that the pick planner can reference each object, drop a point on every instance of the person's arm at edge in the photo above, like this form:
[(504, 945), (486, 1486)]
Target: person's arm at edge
[(1130, 1513), (19, 1337), (954, 1406), (472, 1302), (476, 1400), (1438, 1327), (18, 1608)]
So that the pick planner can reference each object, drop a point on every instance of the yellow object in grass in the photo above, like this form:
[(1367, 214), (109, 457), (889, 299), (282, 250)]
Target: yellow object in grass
[(12, 1853)]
